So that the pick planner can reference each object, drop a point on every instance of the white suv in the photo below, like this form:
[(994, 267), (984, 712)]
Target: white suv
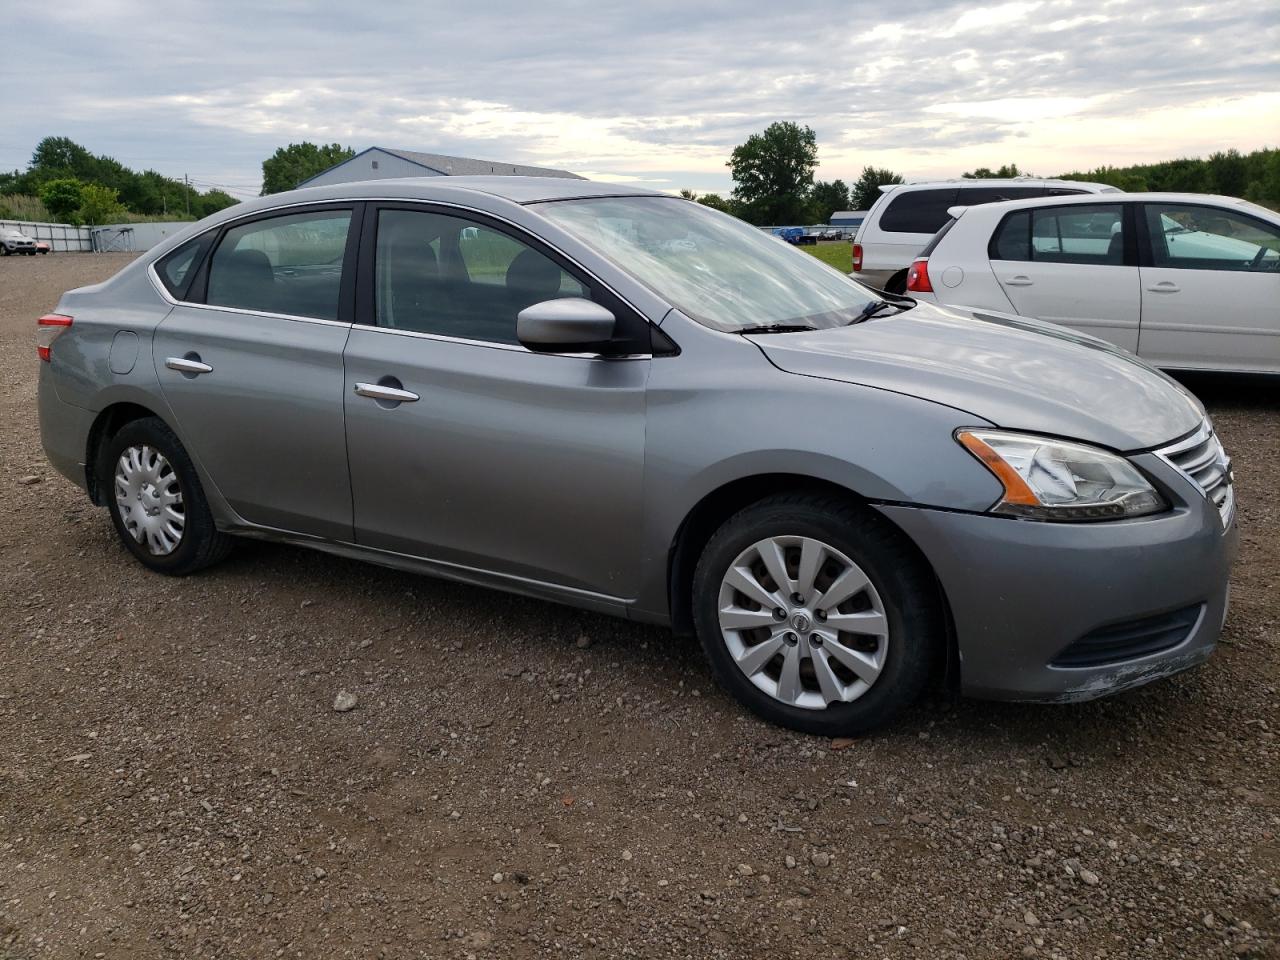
[(906, 216)]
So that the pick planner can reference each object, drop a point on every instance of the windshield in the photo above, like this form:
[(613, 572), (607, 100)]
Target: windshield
[(714, 268)]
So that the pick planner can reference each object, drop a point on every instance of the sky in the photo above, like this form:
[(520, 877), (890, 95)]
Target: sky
[(652, 93)]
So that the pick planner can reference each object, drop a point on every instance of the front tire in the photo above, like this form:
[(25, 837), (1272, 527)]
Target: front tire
[(817, 614), (157, 505)]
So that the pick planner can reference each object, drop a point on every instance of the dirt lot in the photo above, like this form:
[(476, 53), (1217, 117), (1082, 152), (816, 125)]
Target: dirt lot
[(524, 780)]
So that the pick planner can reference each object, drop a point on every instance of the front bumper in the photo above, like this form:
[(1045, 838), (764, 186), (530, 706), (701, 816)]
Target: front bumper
[(1022, 592)]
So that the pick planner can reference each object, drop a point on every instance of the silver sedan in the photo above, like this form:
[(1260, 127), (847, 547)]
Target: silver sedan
[(633, 404)]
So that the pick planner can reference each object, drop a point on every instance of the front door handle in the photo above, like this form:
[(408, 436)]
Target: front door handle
[(376, 391), (191, 364), (1164, 286), (1019, 281)]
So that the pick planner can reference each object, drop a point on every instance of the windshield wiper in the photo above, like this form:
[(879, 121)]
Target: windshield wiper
[(777, 328), (871, 309)]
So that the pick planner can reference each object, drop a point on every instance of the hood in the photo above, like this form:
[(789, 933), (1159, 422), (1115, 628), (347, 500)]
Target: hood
[(1013, 372)]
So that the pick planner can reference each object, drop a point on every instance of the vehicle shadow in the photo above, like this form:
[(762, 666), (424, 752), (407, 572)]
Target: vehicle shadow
[(1246, 391), (653, 663)]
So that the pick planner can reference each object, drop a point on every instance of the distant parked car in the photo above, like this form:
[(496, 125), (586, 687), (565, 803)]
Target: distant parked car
[(906, 216), (43, 246), (1185, 281), (15, 241), (789, 234), (619, 400)]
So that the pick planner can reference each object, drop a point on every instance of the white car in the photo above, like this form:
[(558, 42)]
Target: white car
[(1184, 280), (907, 215), (15, 241)]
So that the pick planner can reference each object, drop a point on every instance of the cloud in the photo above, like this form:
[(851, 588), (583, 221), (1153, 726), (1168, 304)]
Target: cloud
[(657, 93)]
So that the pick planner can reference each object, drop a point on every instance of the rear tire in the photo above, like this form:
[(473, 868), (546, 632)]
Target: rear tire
[(157, 505), (897, 283), (819, 668)]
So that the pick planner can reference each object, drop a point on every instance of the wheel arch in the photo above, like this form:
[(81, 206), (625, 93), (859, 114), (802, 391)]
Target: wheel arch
[(110, 420), (717, 506)]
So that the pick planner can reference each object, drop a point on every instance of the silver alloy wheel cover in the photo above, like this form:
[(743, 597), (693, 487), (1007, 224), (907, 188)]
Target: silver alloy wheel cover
[(756, 653), (149, 499)]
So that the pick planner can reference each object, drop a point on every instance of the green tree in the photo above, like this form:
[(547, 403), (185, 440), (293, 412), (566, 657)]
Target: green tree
[(717, 202), (149, 192), (289, 166), (211, 202), (63, 197), (826, 198), (1006, 172), (867, 188), (63, 155), (687, 194), (772, 173), (100, 205)]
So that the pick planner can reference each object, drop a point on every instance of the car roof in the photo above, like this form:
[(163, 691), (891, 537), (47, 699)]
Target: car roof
[(980, 182), (515, 189), (1091, 199), (463, 191)]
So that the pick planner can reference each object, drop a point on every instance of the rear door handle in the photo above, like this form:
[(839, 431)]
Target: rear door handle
[(376, 391), (191, 365), (1018, 281), (1164, 286)]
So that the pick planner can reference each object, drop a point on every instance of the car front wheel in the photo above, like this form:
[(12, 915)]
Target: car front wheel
[(817, 614), (156, 502)]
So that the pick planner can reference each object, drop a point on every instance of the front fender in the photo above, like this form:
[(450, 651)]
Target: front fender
[(714, 422)]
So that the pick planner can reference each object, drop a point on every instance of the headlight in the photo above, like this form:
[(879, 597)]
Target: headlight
[(1046, 479)]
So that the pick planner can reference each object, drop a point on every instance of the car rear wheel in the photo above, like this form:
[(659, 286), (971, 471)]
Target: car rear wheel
[(817, 614), (156, 502)]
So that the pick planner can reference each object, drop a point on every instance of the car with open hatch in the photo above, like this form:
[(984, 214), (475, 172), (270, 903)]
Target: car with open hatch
[(615, 399)]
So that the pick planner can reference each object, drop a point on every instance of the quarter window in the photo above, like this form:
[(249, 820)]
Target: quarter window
[(1188, 237), (288, 265), (438, 274), (1090, 234), (177, 269)]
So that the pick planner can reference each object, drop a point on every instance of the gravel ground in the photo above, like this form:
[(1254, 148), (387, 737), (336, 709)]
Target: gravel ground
[(518, 779)]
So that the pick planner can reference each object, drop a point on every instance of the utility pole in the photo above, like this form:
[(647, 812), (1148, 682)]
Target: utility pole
[(186, 183)]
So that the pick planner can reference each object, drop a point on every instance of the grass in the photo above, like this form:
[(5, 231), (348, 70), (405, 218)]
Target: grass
[(23, 207), (838, 254)]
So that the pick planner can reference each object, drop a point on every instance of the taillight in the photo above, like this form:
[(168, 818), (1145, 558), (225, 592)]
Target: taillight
[(918, 277), (857, 257), (48, 329)]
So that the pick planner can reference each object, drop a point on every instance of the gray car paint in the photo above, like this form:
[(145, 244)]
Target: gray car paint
[(1017, 377), (588, 468)]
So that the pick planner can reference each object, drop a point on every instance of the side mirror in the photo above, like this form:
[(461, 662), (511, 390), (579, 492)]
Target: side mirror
[(567, 325)]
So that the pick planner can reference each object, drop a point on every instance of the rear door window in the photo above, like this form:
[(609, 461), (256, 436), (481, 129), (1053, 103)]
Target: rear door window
[(918, 211), (284, 265), (1092, 234)]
